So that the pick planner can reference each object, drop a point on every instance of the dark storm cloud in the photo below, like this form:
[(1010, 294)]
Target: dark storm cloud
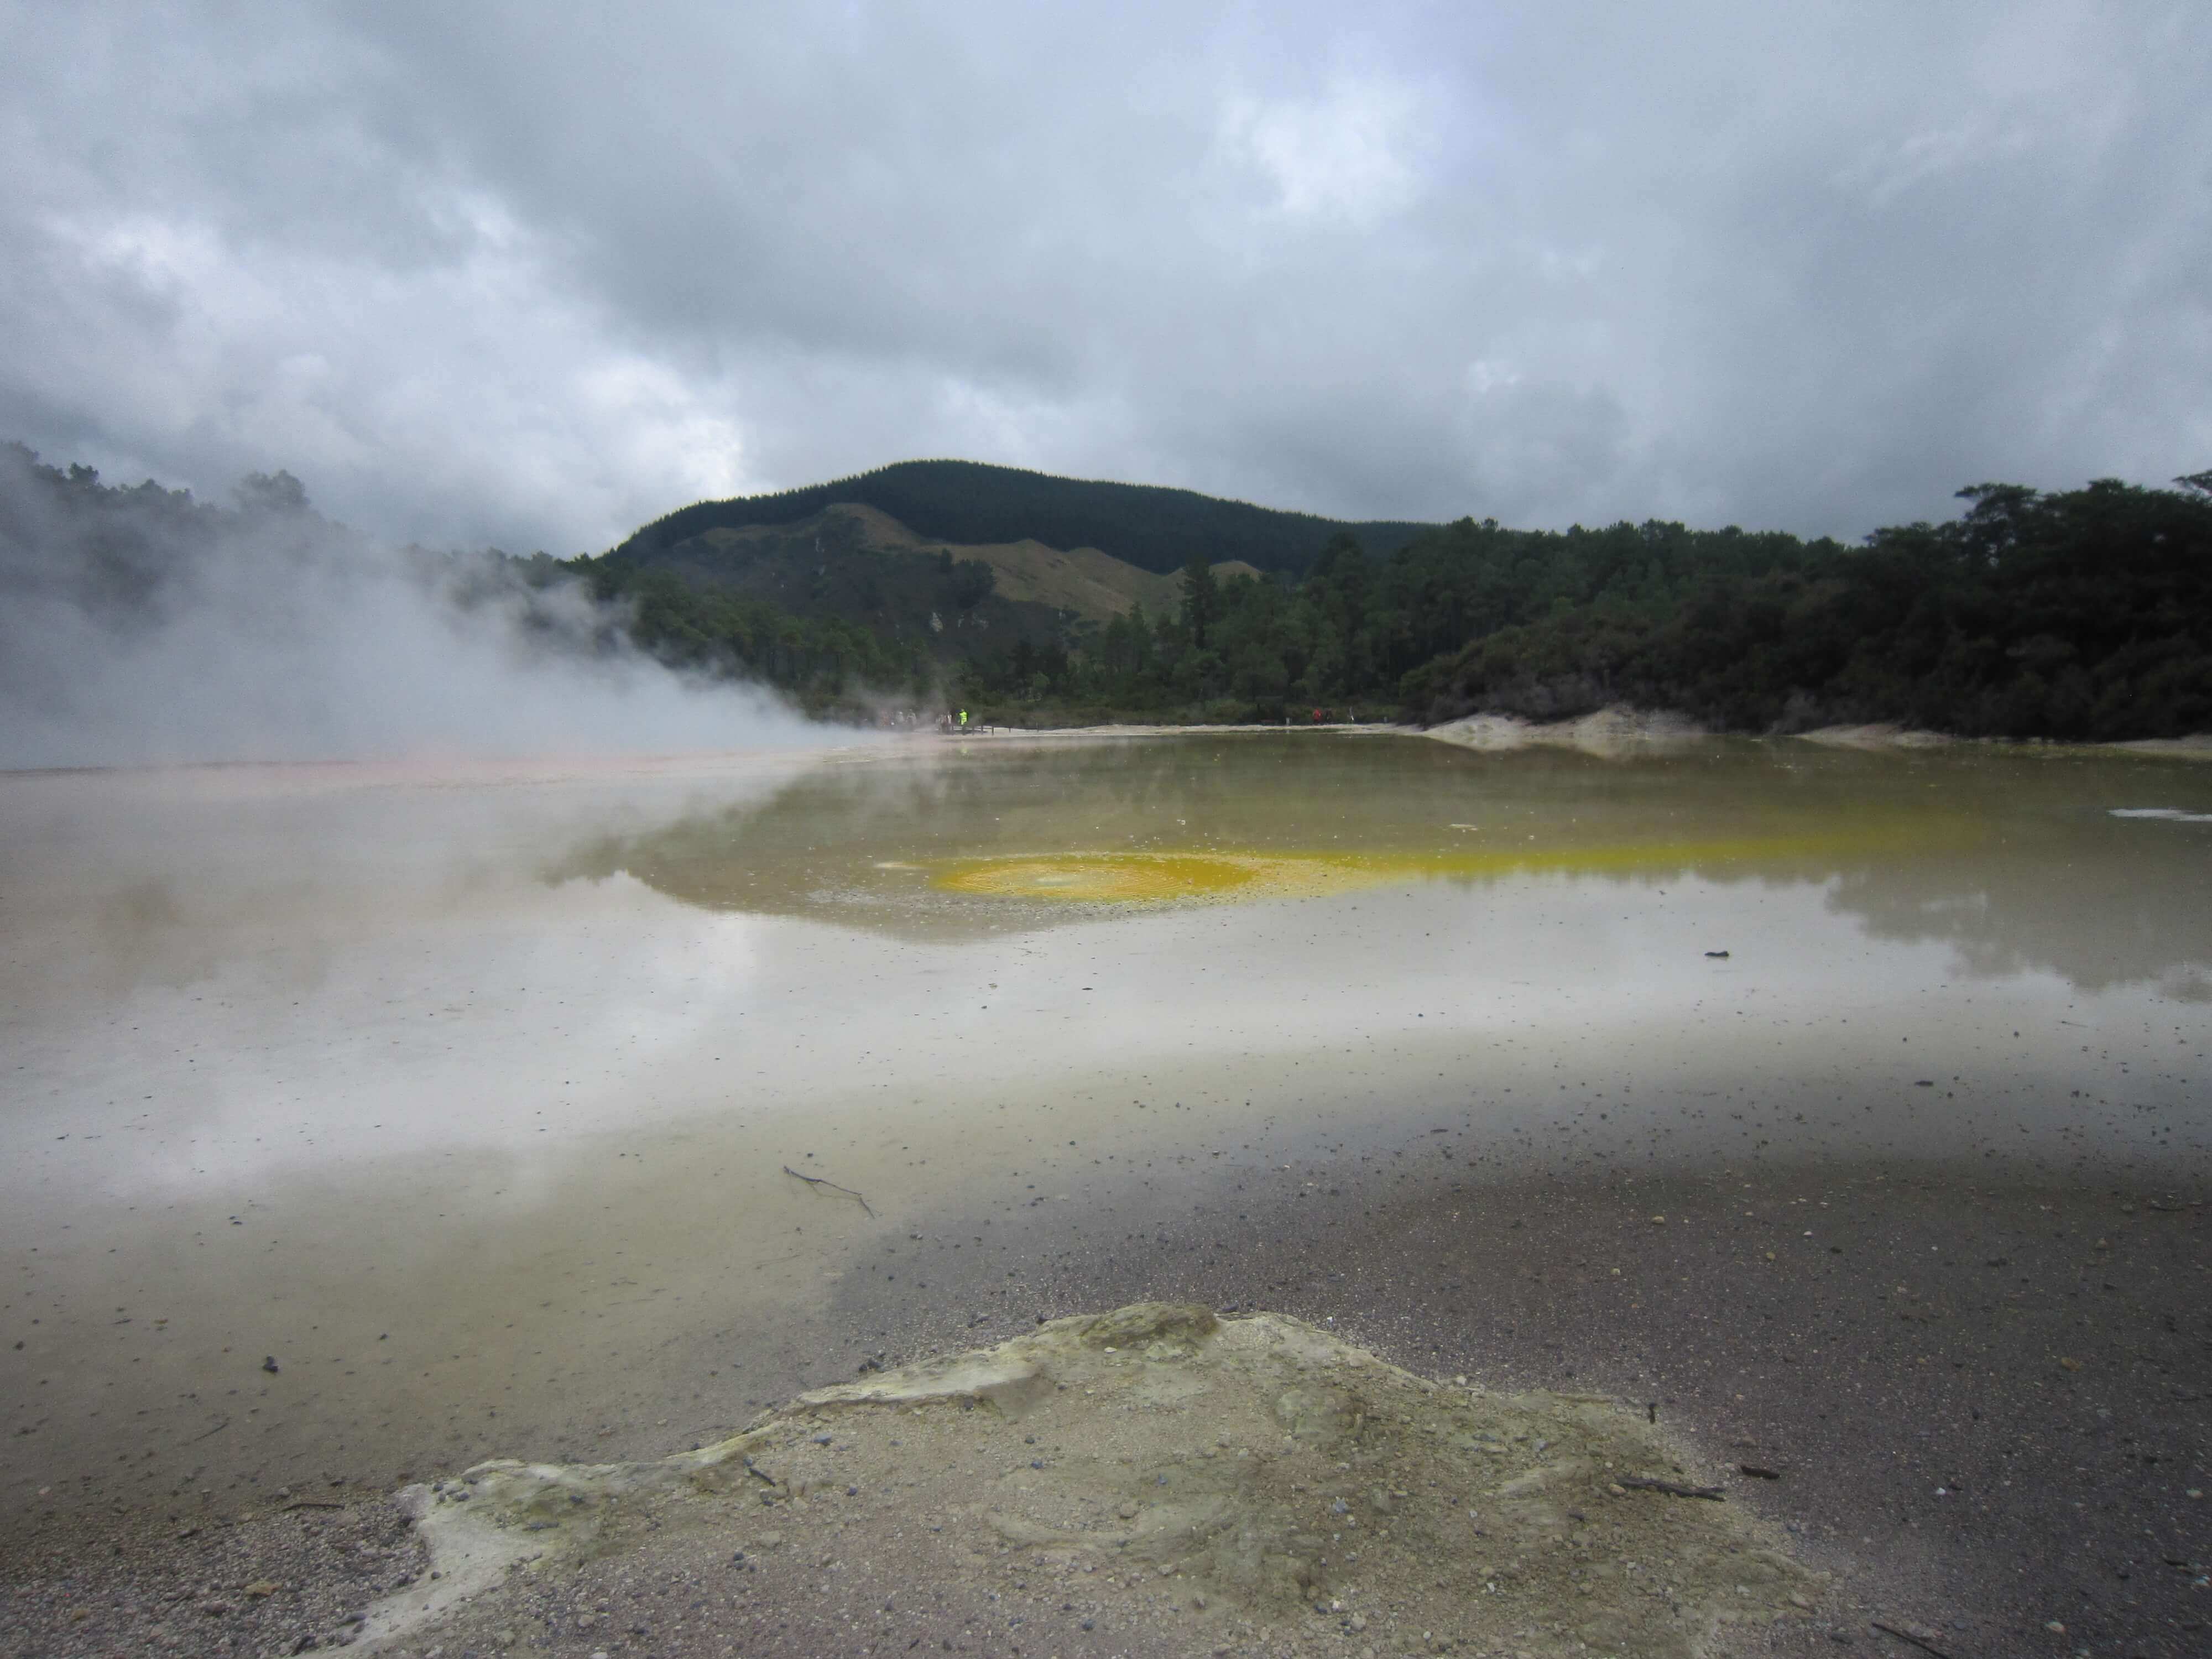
[(532, 274)]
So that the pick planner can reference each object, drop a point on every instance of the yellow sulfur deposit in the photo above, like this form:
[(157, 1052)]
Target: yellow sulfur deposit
[(1189, 877), (1110, 877)]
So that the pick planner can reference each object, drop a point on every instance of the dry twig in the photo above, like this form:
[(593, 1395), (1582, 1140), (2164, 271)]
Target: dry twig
[(1923, 1639), (816, 1181)]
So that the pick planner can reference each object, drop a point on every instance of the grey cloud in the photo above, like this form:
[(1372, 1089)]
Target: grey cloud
[(532, 275)]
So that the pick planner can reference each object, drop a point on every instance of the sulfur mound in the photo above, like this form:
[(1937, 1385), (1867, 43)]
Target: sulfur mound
[(1152, 1479)]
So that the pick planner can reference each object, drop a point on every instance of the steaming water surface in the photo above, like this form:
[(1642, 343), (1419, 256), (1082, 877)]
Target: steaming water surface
[(465, 1095)]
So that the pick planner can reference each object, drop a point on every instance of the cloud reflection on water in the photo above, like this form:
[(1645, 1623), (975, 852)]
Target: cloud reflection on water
[(2014, 862)]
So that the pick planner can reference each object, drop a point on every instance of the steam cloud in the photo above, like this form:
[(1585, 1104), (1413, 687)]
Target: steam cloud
[(139, 626)]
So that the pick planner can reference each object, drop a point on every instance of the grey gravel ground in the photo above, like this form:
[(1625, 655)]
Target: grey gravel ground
[(1985, 1396), (288, 1581)]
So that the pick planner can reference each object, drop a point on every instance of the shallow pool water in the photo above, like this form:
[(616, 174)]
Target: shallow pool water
[(467, 1095)]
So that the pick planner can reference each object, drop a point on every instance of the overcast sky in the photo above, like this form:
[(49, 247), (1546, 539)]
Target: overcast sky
[(530, 273)]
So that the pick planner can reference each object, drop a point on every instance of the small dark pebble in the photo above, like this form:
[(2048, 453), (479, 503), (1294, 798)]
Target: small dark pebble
[(268, 1365)]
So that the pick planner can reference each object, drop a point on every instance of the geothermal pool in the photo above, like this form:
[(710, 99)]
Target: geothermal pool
[(466, 1097)]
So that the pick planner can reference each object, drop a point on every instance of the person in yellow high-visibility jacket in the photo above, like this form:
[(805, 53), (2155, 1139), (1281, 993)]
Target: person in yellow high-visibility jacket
[(963, 719)]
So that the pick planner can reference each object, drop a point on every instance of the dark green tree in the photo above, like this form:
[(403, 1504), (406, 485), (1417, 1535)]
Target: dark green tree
[(1202, 598)]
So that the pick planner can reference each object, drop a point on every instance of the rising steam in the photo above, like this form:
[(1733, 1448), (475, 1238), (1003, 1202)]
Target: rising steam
[(139, 626)]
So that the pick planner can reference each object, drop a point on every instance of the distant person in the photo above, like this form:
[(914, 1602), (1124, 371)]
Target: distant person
[(963, 719)]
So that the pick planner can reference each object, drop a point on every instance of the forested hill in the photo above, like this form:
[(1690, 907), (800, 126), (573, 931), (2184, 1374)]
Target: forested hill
[(2084, 614), (1152, 527), (2080, 614)]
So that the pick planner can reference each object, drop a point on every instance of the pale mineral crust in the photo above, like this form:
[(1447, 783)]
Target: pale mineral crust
[(1154, 1481)]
